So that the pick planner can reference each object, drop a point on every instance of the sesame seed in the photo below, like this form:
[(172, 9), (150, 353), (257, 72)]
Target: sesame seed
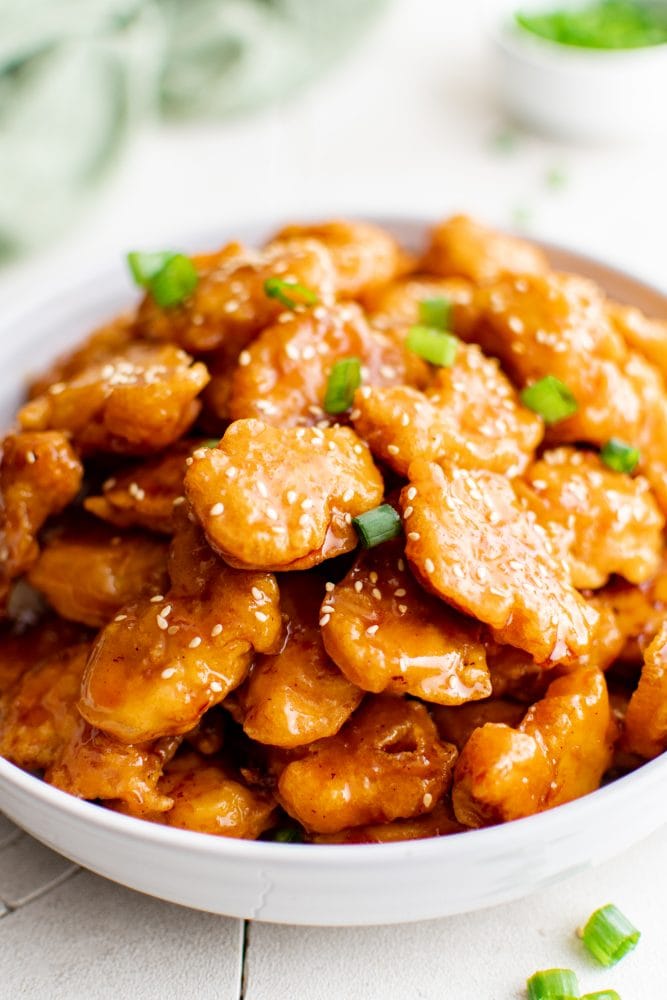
[(157, 598), (457, 570), (393, 449), (261, 616), (429, 565), (400, 592), (257, 594), (355, 414), (30, 457), (304, 519), (358, 449), (189, 460), (401, 565), (373, 577), (402, 608), (291, 496), (306, 504), (377, 594), (324, 620), (57, 388), (244, 357), (194, 642), (405, 419), (168, 672), (261, 489), (166, 611), (347, 495), (412, 492), (120, 618), (414, 536), (292, 352), (217, 509), (216, 630), (231, 472), (358, 586), (172, 630), (329, 586), (215, 687), (387, 371), (199, 453), (272, 514), (162, 623), (308, 353), (427, 800), (177, 501), (109, 483), (372, 629), (327, 608), (348, 518), (482, 572), (408, 512)]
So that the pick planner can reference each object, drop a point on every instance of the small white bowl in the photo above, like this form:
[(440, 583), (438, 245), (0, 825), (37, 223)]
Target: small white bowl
[(576, 93), (303, 883)]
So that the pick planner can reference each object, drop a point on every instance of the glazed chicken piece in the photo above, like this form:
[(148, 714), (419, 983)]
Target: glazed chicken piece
[(277, 499), (396, 306), (282, 377), (439, 823), (646, 717), (98, 347), (387, 634), (637, 611), (641, 333), (364, 256), (612, 520), (135, 403), (456, 725), (89, 572), (460, 247), (559, 752), (298, 695), (39, 475), (229, 306), (93, 765), (146, 495), (164, 661), (39, 712), (472, 542), (470, 416), (210, 797), (22, 648), (386, 763)]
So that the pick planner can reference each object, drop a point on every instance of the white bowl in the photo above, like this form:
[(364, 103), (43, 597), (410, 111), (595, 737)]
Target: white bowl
[(302, 883), (576, 93)]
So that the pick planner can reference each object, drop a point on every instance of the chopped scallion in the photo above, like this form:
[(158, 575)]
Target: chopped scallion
[(378, 525), (436, 312), (602, 995), (619, 456), (344, 380), (169, 277), (289, 293), (553, 984), (609, 936), (287, 835), (551, 398), (436, 346)]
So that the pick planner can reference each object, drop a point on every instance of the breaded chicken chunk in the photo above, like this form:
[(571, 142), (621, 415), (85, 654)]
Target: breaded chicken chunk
[(282, 499), (472, 542), (460, 247), (558, 752), (646, 717), (386, 763), (387, 634)]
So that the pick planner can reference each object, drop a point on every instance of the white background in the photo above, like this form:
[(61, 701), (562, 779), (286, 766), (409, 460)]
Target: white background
[(407, 123)]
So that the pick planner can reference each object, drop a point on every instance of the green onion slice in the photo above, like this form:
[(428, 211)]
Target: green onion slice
[(553, 984), (378, 525), (169, 277), (609, 936), (619, 456), (344, 380), (436, 312), (287, 835), (436, 346), (551, 398), (602, 995), (289, 293)]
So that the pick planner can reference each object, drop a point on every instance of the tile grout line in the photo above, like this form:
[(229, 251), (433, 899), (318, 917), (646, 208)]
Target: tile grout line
[(39, 893)]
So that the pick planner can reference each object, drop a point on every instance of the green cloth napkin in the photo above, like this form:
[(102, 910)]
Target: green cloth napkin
[(75, 75)]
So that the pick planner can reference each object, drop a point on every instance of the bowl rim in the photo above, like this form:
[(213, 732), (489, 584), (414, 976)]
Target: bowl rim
[(540, 827)]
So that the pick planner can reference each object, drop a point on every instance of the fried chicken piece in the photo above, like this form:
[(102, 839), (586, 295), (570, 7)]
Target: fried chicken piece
[(102, 344), (470, 416), (39, 475), (439, 823), (94, 765), (161, 664), (364, 256), (637, 611), (396, 306), (646, 717), (298, 695), (39, 712), (277, 499), (456, 725), (641, 333), (22, 648), (612, 520), (460, 247), (282, 378), (135, 403), (229, 306), (145, 496), (89, 572), (559, 752), (210, 797), (472, 542), (386, 763), (387, 634)]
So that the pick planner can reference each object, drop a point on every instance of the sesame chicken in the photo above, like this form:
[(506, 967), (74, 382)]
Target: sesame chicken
[(462, 248), (646, 717)]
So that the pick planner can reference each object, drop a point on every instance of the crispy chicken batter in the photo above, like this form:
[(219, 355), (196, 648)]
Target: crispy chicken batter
[(646, 717), (462, 248)]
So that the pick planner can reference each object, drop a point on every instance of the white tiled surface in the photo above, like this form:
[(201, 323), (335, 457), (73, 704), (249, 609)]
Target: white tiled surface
[(406, 124)]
